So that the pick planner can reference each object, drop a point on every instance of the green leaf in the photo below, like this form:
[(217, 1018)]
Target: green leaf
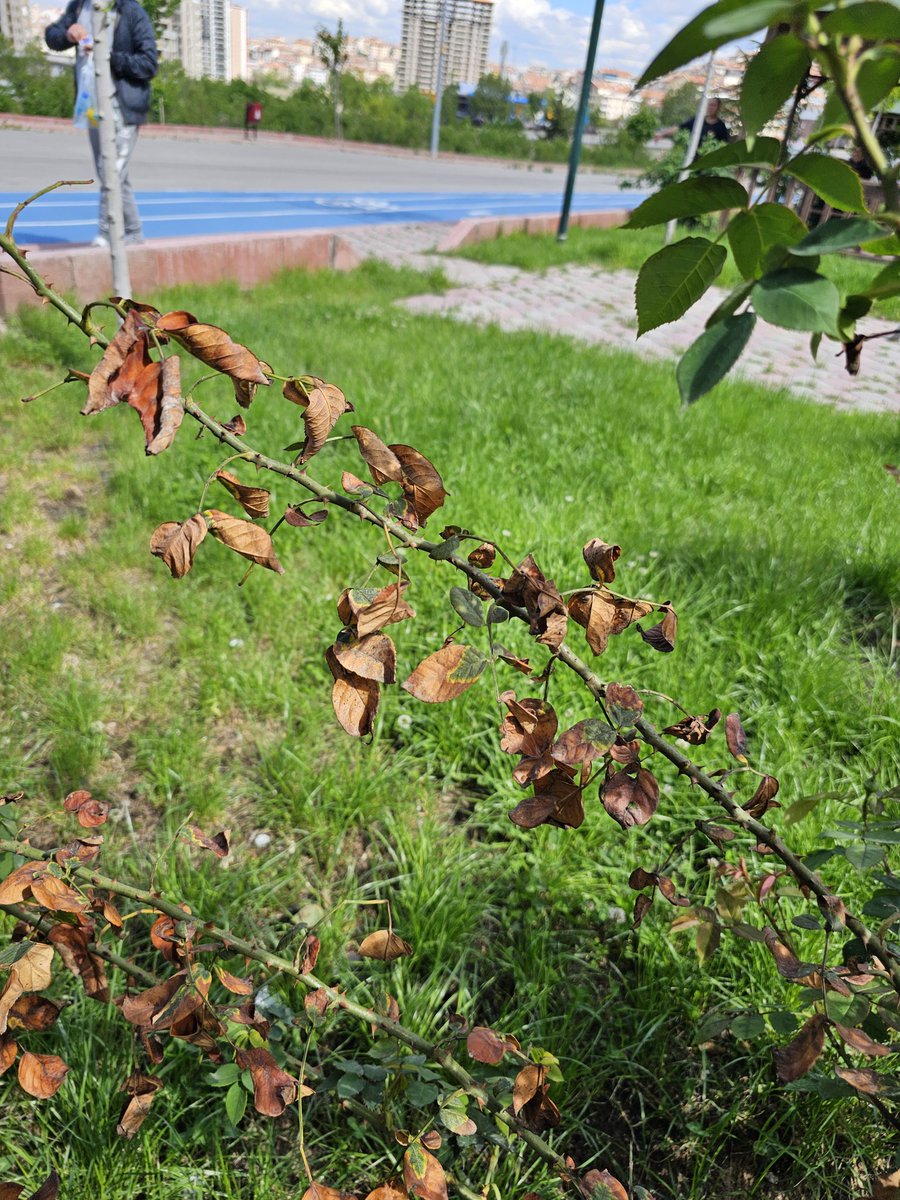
[(798, 300), (497, 615), (12, 954), (833, 180), (730, 304), (886, 283), (421, 1094), (749, 18), (806, 921), (747, 1025), (822, 1085), (690, 42), (783, 1022), (875, 20), (862, 857), (877, 77), (467, 606), (225, 1076), (446, 549), (712, 356), (674, 278), (853, 308), (763, 153), (838, 233), (804, 806), (755, 231), (690, 198), (771, 76), (235, 1103)]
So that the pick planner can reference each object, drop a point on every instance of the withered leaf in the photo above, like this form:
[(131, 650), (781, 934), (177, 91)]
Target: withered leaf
[(218, 843), (528, 588), (446, 673), (32, 1012), (736, 738), (133, 328), (273, 1089), (141, 1089), (323, 404), (177, 544), (49, 1190), (695, 730), (319, 1191), (630, 799), (388, 1191), (40, 882), (384, 944), (865, 1080), (8, 1051), (253, 500), (603, 615), (530, 1080), (600, 1185), (144, 1007), (316, 1001), (294, 515), (164, 938), (483, 556), (859, 1040), (662, 636), (623, 704), (584, 743), (170, 412), (600, 558), (807, 974), (31, 972), (311, 949), (533, 811), (642, 906), (72, 945), (249, 540), (386, 608), (764, 797), (234, 983), (421, 483), (379, 458), (354, 698), (90, 813), (529, 727), (371, 657), (486, 1046), (423, 1174), (237, 425), (41, 1075), (213, 346), (802, 1053), (244, 392)]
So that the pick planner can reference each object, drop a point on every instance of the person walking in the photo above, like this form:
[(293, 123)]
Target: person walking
[(713, 126), (252, 119), (133, 60)]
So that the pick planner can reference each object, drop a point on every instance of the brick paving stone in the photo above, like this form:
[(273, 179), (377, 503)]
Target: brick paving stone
[(598, 307)]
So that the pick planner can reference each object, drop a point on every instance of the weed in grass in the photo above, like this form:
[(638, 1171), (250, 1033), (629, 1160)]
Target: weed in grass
[(768, 520)]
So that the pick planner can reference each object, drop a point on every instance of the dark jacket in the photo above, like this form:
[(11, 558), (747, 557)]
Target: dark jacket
[(133, 58)]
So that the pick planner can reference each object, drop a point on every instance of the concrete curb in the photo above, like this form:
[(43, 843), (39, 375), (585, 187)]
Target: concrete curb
[(483, 229), (86, 273)]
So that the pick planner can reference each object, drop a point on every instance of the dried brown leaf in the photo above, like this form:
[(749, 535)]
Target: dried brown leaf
[(603, 615), (90, 813), (858, 1039), (354, 698), (486, 1046), (802, 1053), (218, 843), (170, 412), (32, 1012), (630, 799), (237, 425), (100, 397), (234, 983), (695, 730), (600, 1185), (865, 1080), (764, 797), (294, 515), (141, 1089), (446, 673), (41, 1075), (177, 544), (386, 608), (423, 1174), (273, 1089), (379, 458), (213, 346), (662, 636), (736, 737), (371, 657), (249, 540), (483, 556), (323, 404), (584, 743), (253, 500), (600, 558), (421, 483), (528, 588), (385, 945), (72, 944)]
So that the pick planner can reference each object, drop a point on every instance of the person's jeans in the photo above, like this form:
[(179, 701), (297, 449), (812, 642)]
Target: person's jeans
[(126, 136)]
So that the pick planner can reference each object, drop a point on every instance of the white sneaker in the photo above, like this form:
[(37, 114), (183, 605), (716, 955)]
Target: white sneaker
[(100, 240)]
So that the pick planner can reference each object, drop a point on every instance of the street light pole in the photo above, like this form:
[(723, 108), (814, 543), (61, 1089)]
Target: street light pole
[(575, 155), (439, 83), (110, 183), (694, 143)]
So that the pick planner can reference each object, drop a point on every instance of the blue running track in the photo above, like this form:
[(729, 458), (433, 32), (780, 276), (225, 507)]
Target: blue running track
[(70, 217)]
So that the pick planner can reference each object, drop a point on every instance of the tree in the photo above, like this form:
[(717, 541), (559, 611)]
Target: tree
[(560, 118), (642, 125), (333, 54), (679, 105), (160, 12), (490, 100)]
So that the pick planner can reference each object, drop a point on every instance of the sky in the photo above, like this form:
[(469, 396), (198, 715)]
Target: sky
[(538, 31)]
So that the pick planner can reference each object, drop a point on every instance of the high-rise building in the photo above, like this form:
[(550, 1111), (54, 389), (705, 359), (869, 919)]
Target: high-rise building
[(240, 57), (468, 29), (199, 36), (15, 22)]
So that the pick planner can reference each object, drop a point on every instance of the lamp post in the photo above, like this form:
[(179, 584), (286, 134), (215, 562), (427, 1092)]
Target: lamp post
[(575, 155), (443, 23)]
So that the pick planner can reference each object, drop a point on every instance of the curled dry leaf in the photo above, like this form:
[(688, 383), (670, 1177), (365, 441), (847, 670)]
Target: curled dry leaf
[(858, 1039), (319, 1191), (169, 414), (662, 636), (41, 1075), (294, 515), (584, 743), (234, 983), (40, 882), (354, 698), (422, 485), (219, 843), (600, 1185), (487, 1046), (807, 974), (736, 737), (177, 544), (90, 813), (249, 540), (253, 500), (630, 799), (446, 674), (642, 906), (483, 556), (623, 704), (32, 1012), (865, 1080), (423, 1174), (237, 425), (31, 972), (528, 1083), (528, 588), (764, 797), (802, 1053), (695, 730), (389, 1191), (379, 458), (323, 404), (600, 558), (72, 944), (141, 1089), (273, 1089), (603, 615), (8, 1051), (316, 1001), (100, 394), (369, 613), (371, 657), (213, 346), (384, 944)]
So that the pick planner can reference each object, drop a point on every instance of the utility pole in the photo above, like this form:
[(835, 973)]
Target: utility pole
[(696, 131), (110, 184), (575, 155), (442, 34)]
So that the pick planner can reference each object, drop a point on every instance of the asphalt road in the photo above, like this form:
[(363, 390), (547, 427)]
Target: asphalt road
[(29, 160)]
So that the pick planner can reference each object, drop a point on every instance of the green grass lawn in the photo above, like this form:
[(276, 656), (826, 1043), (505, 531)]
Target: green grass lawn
[(768, 521), (627, 249)]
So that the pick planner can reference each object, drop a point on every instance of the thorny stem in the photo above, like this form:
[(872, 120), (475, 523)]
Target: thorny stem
[(436, 1052), (43, 924)]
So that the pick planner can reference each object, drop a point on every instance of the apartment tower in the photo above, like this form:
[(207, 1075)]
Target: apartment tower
[(468, 30)]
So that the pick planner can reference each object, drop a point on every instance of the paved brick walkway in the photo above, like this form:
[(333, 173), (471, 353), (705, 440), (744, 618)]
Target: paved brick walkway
[(598, 306)]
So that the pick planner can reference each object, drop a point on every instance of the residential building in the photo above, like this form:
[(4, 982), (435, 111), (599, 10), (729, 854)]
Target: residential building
[(15, 22), (468, 30), (240, 55)]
